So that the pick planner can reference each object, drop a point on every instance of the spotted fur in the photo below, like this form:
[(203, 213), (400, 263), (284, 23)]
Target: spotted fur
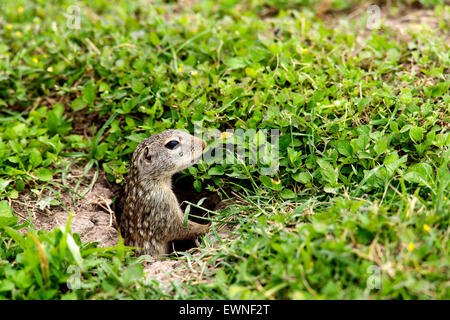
[(151, 216)]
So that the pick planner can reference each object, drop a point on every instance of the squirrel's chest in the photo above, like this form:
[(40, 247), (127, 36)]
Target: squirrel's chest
[(152, 211)]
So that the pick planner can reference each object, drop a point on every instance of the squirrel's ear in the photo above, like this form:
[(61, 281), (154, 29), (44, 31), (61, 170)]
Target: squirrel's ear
[(147, 154)]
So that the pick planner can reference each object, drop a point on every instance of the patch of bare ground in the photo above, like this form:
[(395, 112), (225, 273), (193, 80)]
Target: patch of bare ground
[(92, 216), (400, 21), (193, 267), (410, 19), (402, 18)]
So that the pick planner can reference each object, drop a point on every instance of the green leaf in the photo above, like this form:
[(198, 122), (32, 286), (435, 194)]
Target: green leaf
[(89, 93), (216, 171), (3, 185), (6, 285), (73, 248), (266, 181), (416, 134), (392, 162), (43, 174), (198, 185), (35, 158), (421, 173), (381, 145), (330, 189), (288, 194), (437, 90), (328, 172), (302, 177), (154, 39), (137, 86), (364, 236), (6, 216), (235, 63), (362, 142), (270, 183), (132, 274), (15, 235), (20, 129), (55, 118), (128, 105), (250, 72), (345, 148), (78, 104), (257, 54), (5, 210)]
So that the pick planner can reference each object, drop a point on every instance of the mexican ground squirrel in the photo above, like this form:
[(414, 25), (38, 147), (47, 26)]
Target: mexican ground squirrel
[(151, 216)]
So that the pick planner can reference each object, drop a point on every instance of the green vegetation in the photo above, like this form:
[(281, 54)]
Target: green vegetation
[(359, 207)]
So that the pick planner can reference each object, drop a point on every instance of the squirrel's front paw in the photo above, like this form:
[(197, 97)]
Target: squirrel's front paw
[(205, 228)]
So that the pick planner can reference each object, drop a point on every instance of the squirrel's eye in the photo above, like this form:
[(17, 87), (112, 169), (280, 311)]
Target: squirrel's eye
[(171, 144)]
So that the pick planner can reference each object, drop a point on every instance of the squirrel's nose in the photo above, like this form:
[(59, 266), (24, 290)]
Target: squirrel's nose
[(203, 145)]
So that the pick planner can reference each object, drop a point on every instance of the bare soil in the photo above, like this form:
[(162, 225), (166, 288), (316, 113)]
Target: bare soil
[(404, 19), (92, 216)]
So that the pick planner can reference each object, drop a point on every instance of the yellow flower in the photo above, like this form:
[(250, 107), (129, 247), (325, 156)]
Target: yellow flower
[(411, 246), (305, 51), (20, 10), (35, 60), (194, 73), (18, 33), (50, 69), (426, 228), (226, 135), (276, 182), (9, 26), (180, 69)]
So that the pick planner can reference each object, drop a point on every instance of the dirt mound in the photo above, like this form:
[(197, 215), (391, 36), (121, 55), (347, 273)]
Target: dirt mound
[(92, 216)]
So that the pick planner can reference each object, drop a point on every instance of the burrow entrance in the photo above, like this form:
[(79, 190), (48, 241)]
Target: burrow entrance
[(185, 192)]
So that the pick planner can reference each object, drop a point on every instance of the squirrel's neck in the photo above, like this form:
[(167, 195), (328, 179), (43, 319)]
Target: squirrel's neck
[(149, 183), (149, 194), (149, 186)]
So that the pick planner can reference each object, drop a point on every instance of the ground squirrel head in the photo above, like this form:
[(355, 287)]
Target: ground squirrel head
[(162, 155)]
